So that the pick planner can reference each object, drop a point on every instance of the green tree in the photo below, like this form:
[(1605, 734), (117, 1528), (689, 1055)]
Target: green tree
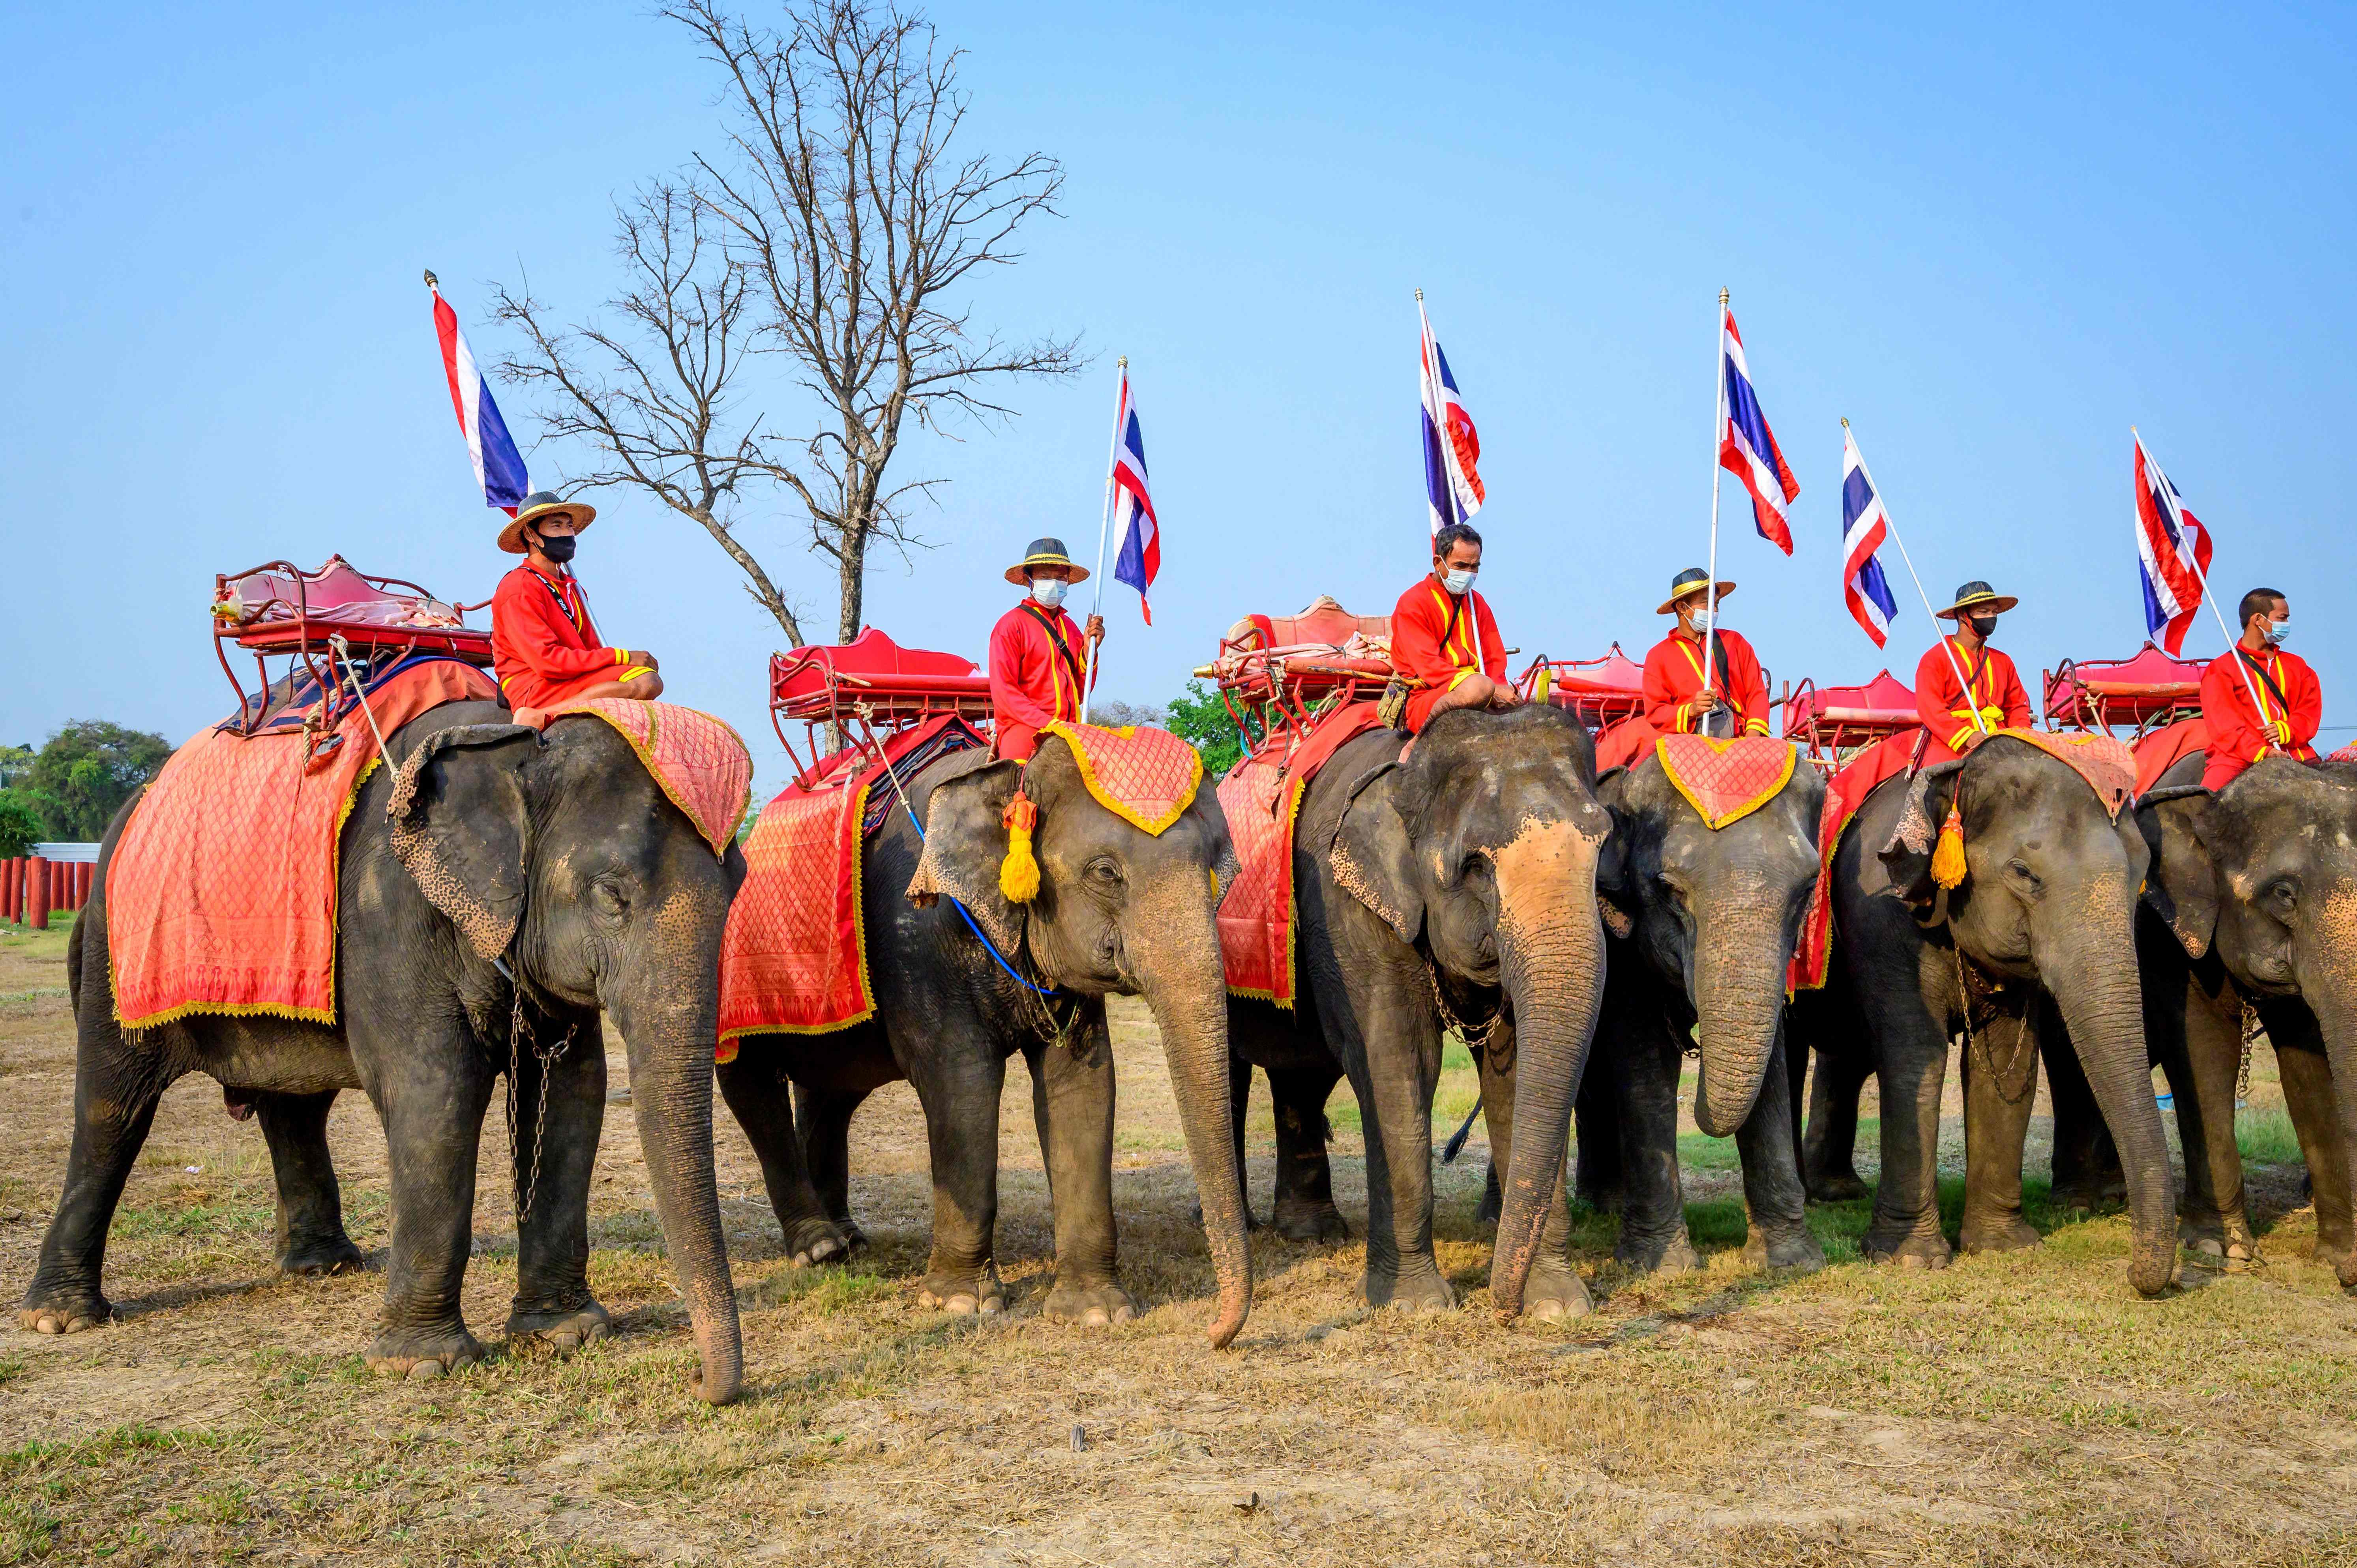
[(1201, 720), (15, 762), (20, 824), (86, 771)]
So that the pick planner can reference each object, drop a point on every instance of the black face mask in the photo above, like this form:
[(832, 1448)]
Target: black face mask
[(1986, 625), (557, 547)]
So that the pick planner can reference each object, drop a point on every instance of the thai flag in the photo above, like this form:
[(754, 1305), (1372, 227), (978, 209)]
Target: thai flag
[(498, 467), (1746, 448), (1452, 447), (1864, 527), (2172, 553), (1141, 534)]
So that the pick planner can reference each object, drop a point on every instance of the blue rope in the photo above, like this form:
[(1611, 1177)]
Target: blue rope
[(988, 945)]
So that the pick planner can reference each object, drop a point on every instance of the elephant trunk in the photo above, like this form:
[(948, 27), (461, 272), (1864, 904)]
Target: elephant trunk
[(1179, 969), (1740, 957), (2329, 985), (1551, 962), (2087, 950), (669, 1022)]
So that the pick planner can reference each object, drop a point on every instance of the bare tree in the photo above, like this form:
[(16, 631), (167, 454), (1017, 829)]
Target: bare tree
[(839, 235)]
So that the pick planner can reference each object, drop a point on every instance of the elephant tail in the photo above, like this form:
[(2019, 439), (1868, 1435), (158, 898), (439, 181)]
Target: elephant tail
[(73, 966), (1456, 1145)]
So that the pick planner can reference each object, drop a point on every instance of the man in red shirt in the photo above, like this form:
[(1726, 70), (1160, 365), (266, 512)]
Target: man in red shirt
[(1962, 712), (545, 649), (1444, 634), (1039, 661), (2290, 702), (1675, 701)]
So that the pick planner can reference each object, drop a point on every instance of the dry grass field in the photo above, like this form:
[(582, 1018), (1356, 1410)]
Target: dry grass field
[(2026, 1409)]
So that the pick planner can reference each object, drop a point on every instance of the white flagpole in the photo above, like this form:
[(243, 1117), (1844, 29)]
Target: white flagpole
[(1104, 521), (1892, 529), (2233, 640), (1718, 427)]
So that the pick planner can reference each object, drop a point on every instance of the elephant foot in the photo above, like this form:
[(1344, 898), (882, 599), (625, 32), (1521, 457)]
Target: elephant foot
[(2088, 1198), (423, 1354), (1909, 1249), (1795, 1249), (1674, 1254), (1839, 1186), (63, 1311), (1420, 1290), (2219, 1244), (1091, 1306), (1554, 1290), (1252, 1221), (560, 1332), (810, 1242), (963, 1292), (1997, 1233), (1317, 1222), (320, 1255)]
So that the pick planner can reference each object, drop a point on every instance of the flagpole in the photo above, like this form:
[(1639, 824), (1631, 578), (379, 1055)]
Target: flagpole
[(1718, 428), (1891, 528), (1104, 521), (2234, 642)]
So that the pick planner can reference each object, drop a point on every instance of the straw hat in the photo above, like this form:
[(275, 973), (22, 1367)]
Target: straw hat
[(1045, 552), (540, 504), (1686, 584), (1978, 596)]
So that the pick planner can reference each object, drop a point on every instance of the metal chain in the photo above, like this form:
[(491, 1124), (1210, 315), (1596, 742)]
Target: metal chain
[(1476, 1038), (520, 1029), (2021, 1041), (2251, 1030)]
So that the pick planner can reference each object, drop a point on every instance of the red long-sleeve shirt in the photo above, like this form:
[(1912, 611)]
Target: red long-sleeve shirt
[(1420, 622), (1034, 682), (544, 648), (1673, 680), (2238, 736), (1940, 701)]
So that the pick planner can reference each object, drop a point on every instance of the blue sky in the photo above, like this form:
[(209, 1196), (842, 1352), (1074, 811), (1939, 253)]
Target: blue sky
[(1994, 240)]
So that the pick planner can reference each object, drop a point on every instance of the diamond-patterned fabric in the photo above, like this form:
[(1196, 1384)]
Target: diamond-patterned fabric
[(1143, 775), (1726, 780), (1846, 792), (221, 897), (2108, 765), (700, 761), (794, 958)]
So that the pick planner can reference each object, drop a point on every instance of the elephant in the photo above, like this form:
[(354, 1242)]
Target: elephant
[(564, 855), (1119, 911), (2253, 898), (1455, 888), (2043, 922), (1704, 922)]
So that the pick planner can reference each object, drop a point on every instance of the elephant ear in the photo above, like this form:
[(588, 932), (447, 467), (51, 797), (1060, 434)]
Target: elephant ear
[(966, 842), (1907, 855), (1372, 857), (1616, 892), (2182, 886), (1225, 861), (458, 822)]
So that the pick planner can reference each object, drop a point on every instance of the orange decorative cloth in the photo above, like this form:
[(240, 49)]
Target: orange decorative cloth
[(221, 897), (1145, 776), (1726, 780), (2291, 707), (1440, 639), (1673, 680), (1625, 744), (700, 761), (1261, 797), (1946, 707), (2108, 765), (2165, 747), (1845, 793)]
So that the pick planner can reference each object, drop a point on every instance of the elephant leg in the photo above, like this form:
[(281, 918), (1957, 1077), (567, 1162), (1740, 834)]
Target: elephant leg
[(822, 1126), (1829, 1150), (1072, 1100), (959, 1074), (1597, 1175), (2307, 1077), (1240, 1073), (761, 1098), (1555, 1288), (1642, 1067), (115, 1093), (560, 1111), (310, 1229), (1305, 1181), (2204, 1056), (1394, 1069), (2000, 1073), (2087, 1173), (1912, 1063), (1493, 1198), (1775, 1202), (431, 1090)]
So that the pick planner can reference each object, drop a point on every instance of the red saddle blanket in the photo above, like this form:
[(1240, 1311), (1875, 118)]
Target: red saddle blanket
[(1726, 780), (221, 897), (1260, 798), (2165, 747), (794, 958), (1846, 792), (700, 761)]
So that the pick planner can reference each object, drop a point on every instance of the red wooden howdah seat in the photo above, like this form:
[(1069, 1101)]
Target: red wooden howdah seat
[(874, 683), (1303, 657), (2146, 692), (1599, 691), (1830, 722)]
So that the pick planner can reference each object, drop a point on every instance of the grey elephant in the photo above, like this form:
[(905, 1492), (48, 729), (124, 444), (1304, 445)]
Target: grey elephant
[(1119, 911), (1458, 888), (564, 855), (1705, 919), (2032, 954)]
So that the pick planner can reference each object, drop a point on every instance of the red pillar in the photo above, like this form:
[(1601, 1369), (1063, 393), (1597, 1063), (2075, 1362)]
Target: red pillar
[(83, 875), (11, 870), (42, 893)]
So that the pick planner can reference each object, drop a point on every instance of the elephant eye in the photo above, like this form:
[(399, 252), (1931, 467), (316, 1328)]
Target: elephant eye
[(2021, 873), (1104, 873), (2284, 893), (608, 899)]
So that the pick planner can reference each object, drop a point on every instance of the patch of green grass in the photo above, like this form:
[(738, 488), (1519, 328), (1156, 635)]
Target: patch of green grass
[(11, 1368), (194, 1220), (1701, 1152), (2266, 1137), (823, 1291)]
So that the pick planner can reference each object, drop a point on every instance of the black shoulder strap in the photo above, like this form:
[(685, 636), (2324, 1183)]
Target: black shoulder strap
[(1056, 640), (2268, 681)]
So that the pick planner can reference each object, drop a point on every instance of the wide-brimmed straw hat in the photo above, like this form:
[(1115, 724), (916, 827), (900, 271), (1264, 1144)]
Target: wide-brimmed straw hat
[(1045, 552), (540, 504), (1686, 584), (1978, 596)]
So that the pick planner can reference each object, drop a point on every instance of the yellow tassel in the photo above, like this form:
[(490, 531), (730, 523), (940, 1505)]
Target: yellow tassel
[(1948, 859), (1215, 887), (1019, 873)]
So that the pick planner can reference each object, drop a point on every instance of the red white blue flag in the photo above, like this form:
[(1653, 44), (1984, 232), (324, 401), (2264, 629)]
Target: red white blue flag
[(1452, 447), (1865, 525), (2172, 553), (498, 467), (1746, 448), (1141, 533)]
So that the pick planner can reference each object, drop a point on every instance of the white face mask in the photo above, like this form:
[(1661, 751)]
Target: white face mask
[(1050, 591), (1698, 620), (2277, 631), (1458, 579)]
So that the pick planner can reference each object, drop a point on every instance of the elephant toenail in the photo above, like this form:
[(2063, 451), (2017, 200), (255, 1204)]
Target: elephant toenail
[(1125, 1313), (1546, 1310), (992, 1304), (962, 1304), (1095, 1318), (50, 1325), (425, 1371)]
